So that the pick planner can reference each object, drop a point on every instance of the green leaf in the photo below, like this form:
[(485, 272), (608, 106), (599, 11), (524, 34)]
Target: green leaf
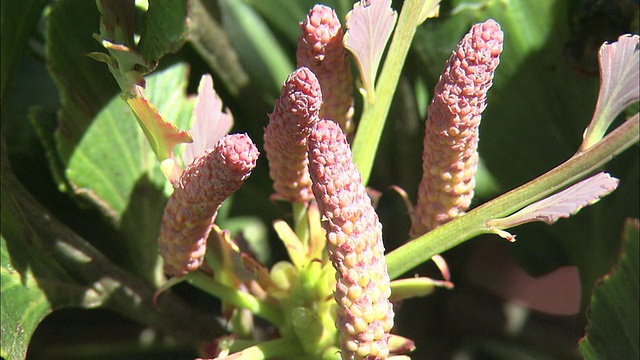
[(613, 332), (214, 46), (23, 306), (85, 85), (115, 168), (288, 22), (18, 20), (115, 145), (165, 29), (258, 47), (71, 272)]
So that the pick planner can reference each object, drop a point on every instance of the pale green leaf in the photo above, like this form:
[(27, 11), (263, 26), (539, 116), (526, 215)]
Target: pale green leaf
[(613, 331), (23, 305)]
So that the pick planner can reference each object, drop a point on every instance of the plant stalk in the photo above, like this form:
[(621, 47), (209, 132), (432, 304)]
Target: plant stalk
[(473, 223), (374, 116)]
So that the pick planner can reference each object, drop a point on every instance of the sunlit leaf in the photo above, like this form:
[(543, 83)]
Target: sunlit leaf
[(415, 287), (165, 29), (23, 304), (368, 29), (430, 9), (400, 345), (563, 204), (613, 331), (210, 124), (294, 246), (162, 135), (619, 85), (115, 168)]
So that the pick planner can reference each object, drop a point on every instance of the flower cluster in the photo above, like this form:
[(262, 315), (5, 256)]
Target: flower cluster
[(285, 137), (450, 155), (191, 209), (354, 244), (320, 49)]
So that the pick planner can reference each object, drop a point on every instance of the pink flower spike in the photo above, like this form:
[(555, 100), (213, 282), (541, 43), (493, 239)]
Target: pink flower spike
[(450, 156), (354, 245), (320, 49), (191, 209), (285, 137)]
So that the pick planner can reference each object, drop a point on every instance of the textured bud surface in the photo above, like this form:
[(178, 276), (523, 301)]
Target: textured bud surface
[(354, 244), (450, 156), (191, 209), (320, 49), (285, 137)]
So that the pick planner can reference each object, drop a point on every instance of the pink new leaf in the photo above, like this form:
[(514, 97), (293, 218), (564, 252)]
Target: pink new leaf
[(209, 123), (369, 26), (560, 205), (619, 85)]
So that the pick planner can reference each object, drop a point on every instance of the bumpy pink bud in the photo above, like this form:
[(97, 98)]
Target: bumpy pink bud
[(450, 156), (320, 49), (191, 209), (354, 244), (285, 137)]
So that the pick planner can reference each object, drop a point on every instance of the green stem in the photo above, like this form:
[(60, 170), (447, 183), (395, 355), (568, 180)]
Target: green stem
[(301, 222), (374, 116), (472, 224), (236, 297)]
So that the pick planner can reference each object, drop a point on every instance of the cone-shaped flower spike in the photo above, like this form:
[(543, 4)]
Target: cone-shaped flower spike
[(354, 244), (191, 209), (450, 156), (285, 137), (320, 49)]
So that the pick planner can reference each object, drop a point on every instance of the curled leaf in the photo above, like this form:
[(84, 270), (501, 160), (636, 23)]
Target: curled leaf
[(369, 26), (162, 135), (560, 205), (294, 246), (415, 287), (619, 85), (210, 123), (430, 9)]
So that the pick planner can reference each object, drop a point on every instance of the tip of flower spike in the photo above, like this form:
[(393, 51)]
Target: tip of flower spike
[(241, 153), (488, 35), (320, 26), (285, 137), (203, 186), (328, 129), (301, 93)]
